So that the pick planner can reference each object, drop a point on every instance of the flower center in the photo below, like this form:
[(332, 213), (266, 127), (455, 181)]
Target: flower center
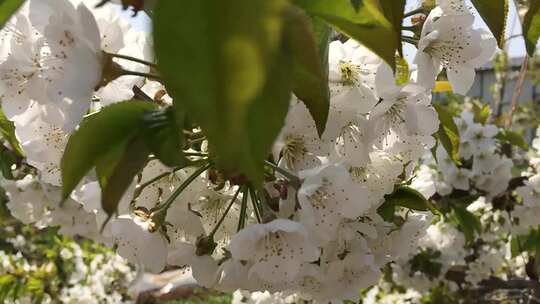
[(349, 73), (294, 149)]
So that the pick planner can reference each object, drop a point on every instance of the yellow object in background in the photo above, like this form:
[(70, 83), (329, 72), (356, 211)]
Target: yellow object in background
[(442, 86)]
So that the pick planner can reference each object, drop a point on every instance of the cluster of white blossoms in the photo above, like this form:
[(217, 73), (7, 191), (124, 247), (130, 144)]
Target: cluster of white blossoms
[(445, 258), (86, 276), (529, 193), (319, 237), (484, 169), (483, 172)]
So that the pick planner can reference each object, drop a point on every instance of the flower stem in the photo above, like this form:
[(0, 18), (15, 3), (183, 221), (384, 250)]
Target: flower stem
[(243, 209), (139, 189), (410, 40), (409, 28), (195, 154), (295, 180), (254, 202), (130, 58), (414, 12), (517, 91), (147, 75), (183, 186), (224, 214)]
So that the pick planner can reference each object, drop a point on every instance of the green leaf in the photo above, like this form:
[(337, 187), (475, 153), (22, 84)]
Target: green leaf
[(468, 222), (97, 135), (518, 242), (8, 158), (120, 178), (531, 242), (494, 13), (408, 198), (106, 164), (218, 59), (356, 4), (448, 133), (270, 107), (481, 112), (531, 26), (387, 211), (367, 24), (402, 197), (514, 138), (402, 71), (7, 9), (310, 76), (394, 11), (7, 130), (164, 137)]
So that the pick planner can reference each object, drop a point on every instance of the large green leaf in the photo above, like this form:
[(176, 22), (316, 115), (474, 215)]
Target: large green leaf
[(99, 134), (217, 58), (366, 24), (164, 136), (7, 130), (394, 10), (531, 26), (356, 4), (448, 133), (494, 13), (310, 76), (7, 9), (271, 108), (131, 162)]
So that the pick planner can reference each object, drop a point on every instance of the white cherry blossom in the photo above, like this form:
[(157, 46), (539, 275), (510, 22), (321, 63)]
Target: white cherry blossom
[(328, 194), (448, 41), (277, 249), (139, 243)]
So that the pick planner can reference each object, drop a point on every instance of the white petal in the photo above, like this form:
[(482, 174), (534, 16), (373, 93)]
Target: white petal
[(461, 78)]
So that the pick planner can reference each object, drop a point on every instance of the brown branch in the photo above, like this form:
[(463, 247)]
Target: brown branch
[(457, 275), (517, 91)]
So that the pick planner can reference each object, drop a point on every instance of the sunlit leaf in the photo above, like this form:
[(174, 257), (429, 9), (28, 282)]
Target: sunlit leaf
[(531, 26), (7, 130), (367, 24), (218, 59), (402, 71), (394, 10), (448, 133), (7, 9), (481, 112)]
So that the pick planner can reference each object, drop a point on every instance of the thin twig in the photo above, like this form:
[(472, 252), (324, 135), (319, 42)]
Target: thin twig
[(517, 91), (141, 74), (414, 12), (134, 59)]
